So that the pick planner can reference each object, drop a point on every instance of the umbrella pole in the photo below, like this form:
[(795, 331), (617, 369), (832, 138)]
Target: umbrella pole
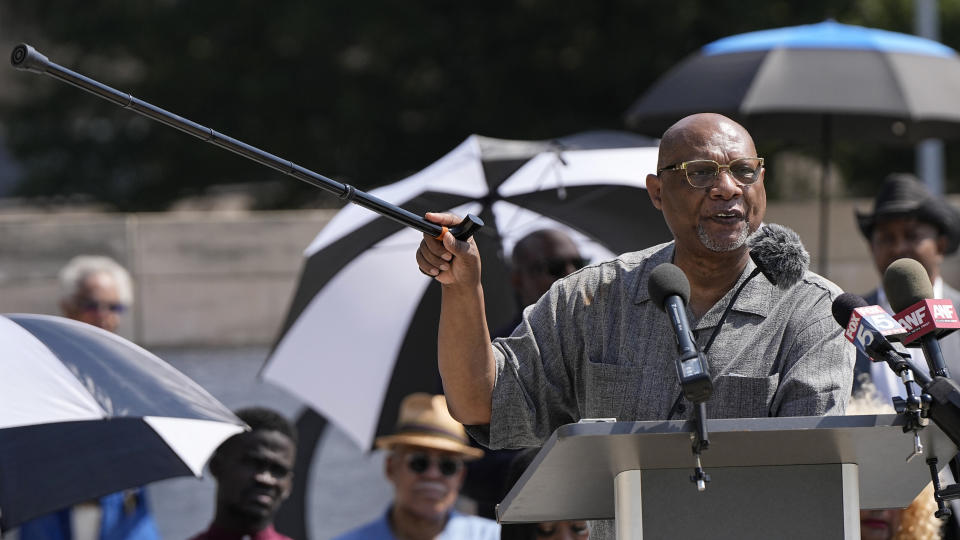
[(827, 135), (25, 57)]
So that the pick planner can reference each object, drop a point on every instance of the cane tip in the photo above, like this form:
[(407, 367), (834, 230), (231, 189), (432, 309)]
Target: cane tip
[(26, 57)]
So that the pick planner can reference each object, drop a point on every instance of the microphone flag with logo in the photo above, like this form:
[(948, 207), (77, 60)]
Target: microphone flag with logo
[(910, 293)]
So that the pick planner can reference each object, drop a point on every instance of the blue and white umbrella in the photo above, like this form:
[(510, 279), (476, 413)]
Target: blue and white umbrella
[(814, 83), (863, 83), (84, 413)]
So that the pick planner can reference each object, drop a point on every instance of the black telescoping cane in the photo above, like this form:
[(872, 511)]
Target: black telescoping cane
[(27, 58)]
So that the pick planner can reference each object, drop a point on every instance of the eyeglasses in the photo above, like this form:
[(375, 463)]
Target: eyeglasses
[(419, 463), (91, 306), (703, 173), (556, 267)]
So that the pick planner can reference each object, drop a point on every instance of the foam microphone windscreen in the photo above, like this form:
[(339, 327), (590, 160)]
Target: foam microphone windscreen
[(906, 282), (779, 253), (844, 305), (668, 280)]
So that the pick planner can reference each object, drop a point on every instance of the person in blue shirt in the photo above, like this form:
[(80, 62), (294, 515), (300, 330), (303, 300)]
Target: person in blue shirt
[(425, 464), (96, 290)]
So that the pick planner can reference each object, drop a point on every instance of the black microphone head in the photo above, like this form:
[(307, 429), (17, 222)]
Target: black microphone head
[(779, 254), (906, 282), (668, 280), (844, 305)]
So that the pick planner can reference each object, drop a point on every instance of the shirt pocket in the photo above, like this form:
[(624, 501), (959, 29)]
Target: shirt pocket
[(738, 396), (612, 391)]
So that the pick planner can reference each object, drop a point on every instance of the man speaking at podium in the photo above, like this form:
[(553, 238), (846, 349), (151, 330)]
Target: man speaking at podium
[(596, 346)]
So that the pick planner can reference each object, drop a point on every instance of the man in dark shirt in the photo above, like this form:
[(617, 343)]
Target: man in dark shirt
[(908, 221)]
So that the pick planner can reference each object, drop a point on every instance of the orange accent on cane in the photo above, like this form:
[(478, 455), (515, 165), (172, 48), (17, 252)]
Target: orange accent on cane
[(443, 231)]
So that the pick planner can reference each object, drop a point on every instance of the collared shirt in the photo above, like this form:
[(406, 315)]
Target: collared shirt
[(219, 533), (597, 346), (459, 527)]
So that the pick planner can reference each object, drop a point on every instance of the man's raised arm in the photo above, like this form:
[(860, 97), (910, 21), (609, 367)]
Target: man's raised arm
[(464, 353)]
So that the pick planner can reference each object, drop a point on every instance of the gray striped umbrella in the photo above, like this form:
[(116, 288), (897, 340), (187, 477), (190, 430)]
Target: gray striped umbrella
[(84, 413)]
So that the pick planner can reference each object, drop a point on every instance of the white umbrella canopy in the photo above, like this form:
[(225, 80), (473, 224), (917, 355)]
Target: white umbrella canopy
[(361, 333), (85, 413)]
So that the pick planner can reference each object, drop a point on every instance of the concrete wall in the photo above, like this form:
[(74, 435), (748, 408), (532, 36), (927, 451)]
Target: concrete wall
[(201, 278), (220, 279), (849, 263)]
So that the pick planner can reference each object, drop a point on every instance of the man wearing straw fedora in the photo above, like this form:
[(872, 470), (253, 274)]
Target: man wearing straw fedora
[(425, 466), (907, 221)]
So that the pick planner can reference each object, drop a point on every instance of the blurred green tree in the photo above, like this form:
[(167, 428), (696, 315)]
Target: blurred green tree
[(365, 92)]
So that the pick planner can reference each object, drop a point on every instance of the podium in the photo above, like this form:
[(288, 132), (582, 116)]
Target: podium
[(792, 477)]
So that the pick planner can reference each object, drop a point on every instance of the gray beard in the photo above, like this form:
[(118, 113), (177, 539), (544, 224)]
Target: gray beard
[(718, 247)]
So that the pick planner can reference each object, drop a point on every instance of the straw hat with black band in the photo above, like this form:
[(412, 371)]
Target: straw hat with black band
[(904, 195), (424, 421)]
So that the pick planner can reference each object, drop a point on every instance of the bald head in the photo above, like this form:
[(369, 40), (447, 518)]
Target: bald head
[(698, 130), (717, 216), (539, 259), (532, 246)]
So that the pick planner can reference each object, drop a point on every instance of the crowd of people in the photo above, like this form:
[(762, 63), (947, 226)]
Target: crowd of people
[(580, 347)]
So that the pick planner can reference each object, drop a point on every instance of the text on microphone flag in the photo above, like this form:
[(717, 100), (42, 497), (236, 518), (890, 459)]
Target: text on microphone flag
[(926, 316), (867, 319)]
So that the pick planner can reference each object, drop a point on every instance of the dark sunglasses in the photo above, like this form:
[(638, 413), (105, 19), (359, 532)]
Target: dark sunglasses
[(93, 305), (419, 463), (557, 268)]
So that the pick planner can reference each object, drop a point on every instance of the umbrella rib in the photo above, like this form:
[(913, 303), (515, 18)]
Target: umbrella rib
[(542, 179), (579, 202), (895, 76)]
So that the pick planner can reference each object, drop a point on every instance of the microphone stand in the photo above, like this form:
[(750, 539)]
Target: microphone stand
[(25, 57), (914, 408), (944, 410), (700, 439), (917, 409), (700, 442)]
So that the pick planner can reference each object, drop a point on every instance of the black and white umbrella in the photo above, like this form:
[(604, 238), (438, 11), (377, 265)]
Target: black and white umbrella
[(361, 332), (84, 413)]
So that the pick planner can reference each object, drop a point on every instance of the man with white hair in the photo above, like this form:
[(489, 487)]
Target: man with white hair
[(96, 290)]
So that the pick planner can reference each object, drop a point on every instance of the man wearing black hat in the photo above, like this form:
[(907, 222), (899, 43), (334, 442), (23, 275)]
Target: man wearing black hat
[(907, 221)]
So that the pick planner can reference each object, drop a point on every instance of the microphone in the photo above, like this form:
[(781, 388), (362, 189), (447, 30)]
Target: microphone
[(779, 254), (669, 288), (910, 293), (867, 327)]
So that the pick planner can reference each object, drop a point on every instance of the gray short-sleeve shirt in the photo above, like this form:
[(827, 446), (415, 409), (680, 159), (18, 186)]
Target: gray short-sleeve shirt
[(597, 346)]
